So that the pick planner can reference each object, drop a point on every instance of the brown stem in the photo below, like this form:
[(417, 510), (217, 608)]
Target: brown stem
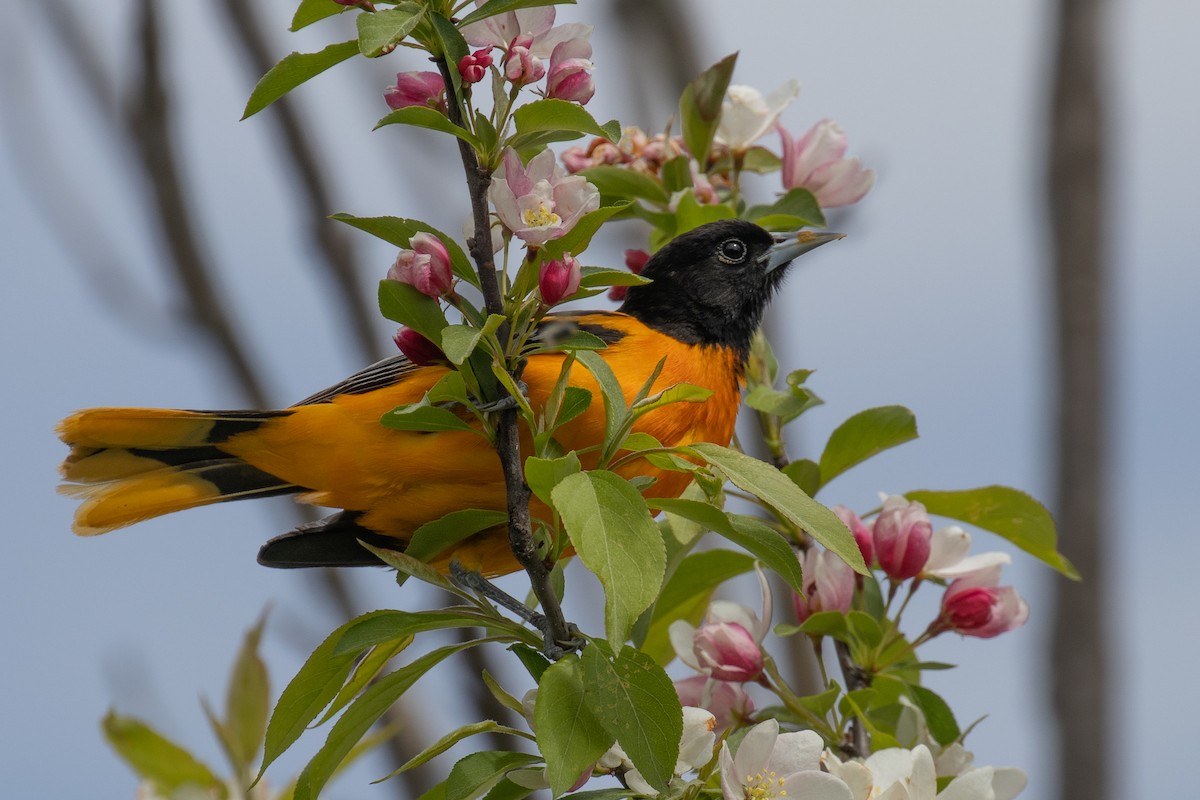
[(856, 678), (508, 435)]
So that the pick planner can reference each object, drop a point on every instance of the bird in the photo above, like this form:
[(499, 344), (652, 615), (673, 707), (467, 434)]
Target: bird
[(707, 292)]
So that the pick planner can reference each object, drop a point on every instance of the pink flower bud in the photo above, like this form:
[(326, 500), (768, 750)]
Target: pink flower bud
[(635, 260), (570, 76), (901, 535), (828, 584), (862, 534), (816, 162), (521, 66), (975, 605), (417, 89), (473, 66), (559, 279), (728, 702), (419, 350), (426, 266), (727, 652), (576, 159)]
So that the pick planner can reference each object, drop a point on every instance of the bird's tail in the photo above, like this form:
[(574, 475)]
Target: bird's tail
[(131, 464)]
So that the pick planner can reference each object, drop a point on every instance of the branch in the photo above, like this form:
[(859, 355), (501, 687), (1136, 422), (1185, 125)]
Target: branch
[(508, 436)]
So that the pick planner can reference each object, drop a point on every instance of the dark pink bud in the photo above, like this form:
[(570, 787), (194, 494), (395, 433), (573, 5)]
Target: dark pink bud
[(426, 266), (522, 67), (417, 89), (975, 605), (559, 279), (635, 260), (419, 350), (727, 652), (473, 66), (862, 534), (902, 534)]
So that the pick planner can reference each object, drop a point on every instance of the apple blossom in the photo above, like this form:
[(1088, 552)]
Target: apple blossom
[(975, 605), (727, 701), (420, 351), (539, 201), (426, 266), (559, 279), (828, 584), (862, 534), (526, 36), (948, 557), (901, 774), (728, 645), (473, 66), (746, 116), (695, 750), (770, 764), (570, 74), (901, 536), (815, 162), (417, 89)]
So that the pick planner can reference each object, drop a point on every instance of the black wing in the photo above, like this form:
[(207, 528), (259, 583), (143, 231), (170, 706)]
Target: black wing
[(383, 373)]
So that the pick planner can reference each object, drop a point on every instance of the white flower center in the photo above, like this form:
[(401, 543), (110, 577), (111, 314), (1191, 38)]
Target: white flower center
[(763, 786), (540, 217)]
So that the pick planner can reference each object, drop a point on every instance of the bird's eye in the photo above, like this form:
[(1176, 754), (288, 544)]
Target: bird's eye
[(732, 251)]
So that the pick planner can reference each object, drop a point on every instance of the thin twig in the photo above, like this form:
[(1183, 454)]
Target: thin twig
[(858, 745)]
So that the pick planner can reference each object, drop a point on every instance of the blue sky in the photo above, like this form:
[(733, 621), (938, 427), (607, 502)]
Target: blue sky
[(937, 300)]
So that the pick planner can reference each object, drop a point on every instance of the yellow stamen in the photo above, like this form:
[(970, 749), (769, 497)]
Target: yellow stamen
[(539, 217)]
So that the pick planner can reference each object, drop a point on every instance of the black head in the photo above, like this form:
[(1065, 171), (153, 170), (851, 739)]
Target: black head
[(712, 284)]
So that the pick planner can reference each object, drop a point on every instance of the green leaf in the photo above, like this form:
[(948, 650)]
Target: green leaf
[(798, 207), (399, 232), (700, 106), (806, 474), (942, 725), (313, 687), (777, 490), (866, 434), (454, 737), (576, 400), (156, 758), (472, 776), (361, 715), (402, 303), (310, 11), (534, 662), (247, 701), (559, 115), (379, 33), (617, 183), (426, 117), (691, 213), (827, 623), (616, 538), (407, 565), (785, 405), (424, 417), (434, 537), (494, 7), (865, 628), (636, 703), (615, 410), (459, 341), (677, 174), (686, 595), (368, 667), (767, 546), (294, 70), (602, 276), (576, 240), (679, 393), (543, 474), (450, 44), (569, 736), (1007, 512)]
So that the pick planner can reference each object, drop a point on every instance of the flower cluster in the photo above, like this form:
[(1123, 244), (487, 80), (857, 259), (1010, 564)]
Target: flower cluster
[(526, 38)]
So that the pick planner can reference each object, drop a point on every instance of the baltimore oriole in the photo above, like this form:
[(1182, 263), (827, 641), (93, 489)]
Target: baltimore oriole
[(709, 289)]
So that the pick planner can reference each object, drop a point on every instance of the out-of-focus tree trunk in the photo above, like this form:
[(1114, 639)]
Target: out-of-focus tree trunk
[(1076, 192)]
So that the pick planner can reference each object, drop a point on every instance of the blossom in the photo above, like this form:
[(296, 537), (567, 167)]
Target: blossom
[(862, 534), (426, 267), (417, 89), (816, 162), (828, 584), (901, 774), (770, 764), (728, 646), (727, 701), (974, 605), (473, 66), (695, 750), (526, 36), (746, 115), (570, 75), (559, 279), (540, 202), (420, 351), (901, 536), (635, 260), (948, 557)]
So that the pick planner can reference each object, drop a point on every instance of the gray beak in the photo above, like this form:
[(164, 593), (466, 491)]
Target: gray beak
[(789, 246)]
